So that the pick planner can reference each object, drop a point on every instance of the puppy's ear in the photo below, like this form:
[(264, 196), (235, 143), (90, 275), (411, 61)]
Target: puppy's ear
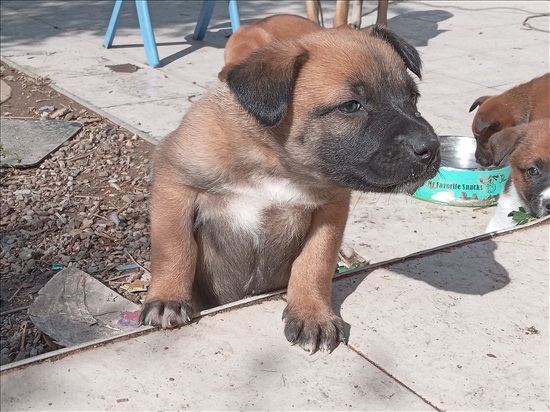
[(222, 75), (478, 102), (263, 82), (504, 142), (486, 124), (405, 50)]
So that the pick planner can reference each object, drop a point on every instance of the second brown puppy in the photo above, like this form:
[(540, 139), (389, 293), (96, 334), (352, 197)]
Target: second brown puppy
[(520, 104), (251, 192)]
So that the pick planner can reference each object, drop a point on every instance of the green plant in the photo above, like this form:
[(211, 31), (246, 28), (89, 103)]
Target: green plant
[(521, 216)]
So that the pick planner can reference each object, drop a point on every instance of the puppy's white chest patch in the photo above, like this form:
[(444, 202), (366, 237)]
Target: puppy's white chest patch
[(508, 201), (248, 203)]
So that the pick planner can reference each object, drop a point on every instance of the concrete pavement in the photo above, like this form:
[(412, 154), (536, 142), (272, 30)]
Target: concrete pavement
[(462, 328)]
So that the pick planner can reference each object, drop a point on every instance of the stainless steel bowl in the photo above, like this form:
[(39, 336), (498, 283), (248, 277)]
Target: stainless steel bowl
[(461, 181)]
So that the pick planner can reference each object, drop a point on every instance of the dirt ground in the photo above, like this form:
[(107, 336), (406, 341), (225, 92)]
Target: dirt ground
[(85, 206)]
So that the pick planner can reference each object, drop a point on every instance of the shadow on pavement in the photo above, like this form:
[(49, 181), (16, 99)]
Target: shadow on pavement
[(470, 269)]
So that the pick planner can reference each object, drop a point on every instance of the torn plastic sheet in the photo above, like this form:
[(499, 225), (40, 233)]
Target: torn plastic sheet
[(75, 308)]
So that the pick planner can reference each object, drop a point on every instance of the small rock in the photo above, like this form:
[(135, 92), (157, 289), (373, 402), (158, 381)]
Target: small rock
[(58, 113), (86, 223), (92, 269), (14, 340), (6, 359), (16, 268), (65, 259), (22, 192), (25, 253)]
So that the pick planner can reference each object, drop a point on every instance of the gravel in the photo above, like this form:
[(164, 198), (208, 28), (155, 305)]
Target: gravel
[(85, 206)]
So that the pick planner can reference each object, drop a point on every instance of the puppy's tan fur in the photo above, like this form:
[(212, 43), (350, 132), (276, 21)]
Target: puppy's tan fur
[(521, 104), (251, 37), (251, 192)]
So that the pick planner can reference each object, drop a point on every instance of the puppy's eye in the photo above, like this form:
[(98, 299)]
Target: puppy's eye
[(352, 106), (533, 171)]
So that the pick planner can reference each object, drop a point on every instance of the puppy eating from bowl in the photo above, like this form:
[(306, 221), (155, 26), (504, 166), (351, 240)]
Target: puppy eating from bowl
[(528, 149), (523, 103), (251, 193)]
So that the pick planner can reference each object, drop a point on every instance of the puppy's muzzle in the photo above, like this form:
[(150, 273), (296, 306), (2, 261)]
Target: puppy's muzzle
[(541, 205)]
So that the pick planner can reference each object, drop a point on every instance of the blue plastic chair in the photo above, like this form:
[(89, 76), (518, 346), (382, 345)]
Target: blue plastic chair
[(147, 28)]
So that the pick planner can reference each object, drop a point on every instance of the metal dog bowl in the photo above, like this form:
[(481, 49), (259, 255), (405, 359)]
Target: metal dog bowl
[(461, 181)]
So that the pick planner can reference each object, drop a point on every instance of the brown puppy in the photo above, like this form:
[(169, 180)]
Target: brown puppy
[(251, 192), (528, 149), (251, 37), (521, 104)]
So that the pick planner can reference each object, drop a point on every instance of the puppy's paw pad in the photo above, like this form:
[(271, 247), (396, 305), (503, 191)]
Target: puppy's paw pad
[(166, 314), (314, 331)]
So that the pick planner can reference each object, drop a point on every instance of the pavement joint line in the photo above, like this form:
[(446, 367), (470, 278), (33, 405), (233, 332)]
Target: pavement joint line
[(147, 101), (144, 135), (437, 249), (386, 372)]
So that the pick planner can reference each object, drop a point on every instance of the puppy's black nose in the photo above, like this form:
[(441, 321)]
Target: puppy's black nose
[(426, 150)]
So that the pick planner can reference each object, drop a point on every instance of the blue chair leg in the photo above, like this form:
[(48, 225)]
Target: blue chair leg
[(147, 33), (206, 13), (204, 18), (111, 29), (234, 15)]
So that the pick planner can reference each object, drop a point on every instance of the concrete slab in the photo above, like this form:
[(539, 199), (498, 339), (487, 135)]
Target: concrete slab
[(5, 91), (25, 143), (435, 332), (466, 328), (238, 360), (386, 226)]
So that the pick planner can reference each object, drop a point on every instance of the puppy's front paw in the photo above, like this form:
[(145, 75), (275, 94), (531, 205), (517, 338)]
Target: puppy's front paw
[(313, 330), (166, 314)]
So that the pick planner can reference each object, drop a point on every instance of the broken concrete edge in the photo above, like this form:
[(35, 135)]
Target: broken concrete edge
[(258, 299), (144, 135), (64, 352), (437, 249)]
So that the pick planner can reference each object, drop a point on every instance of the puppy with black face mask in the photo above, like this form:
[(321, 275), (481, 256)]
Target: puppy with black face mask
[(251, 192), (528, 149)]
